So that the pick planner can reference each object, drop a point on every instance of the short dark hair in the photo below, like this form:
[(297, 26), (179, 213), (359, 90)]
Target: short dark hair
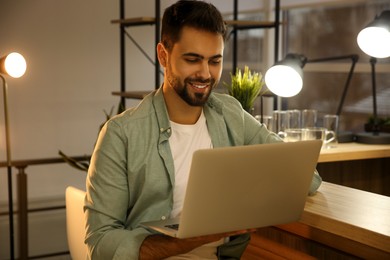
[(191, 13)]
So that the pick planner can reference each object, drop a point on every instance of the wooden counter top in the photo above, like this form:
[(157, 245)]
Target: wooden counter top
[(352, 213), (343, 216), (354, 151)]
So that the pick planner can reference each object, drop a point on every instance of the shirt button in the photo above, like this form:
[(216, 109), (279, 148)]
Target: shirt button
[(168, 130), (163, 218), (161, 130)]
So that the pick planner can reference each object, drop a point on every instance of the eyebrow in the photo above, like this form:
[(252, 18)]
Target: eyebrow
[(195, 55)]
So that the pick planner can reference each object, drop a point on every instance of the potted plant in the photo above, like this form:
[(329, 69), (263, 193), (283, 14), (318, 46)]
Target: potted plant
[(245, 87), (381, 125)]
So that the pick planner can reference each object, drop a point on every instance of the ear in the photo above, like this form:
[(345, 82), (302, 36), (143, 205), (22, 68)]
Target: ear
[(162, 54)]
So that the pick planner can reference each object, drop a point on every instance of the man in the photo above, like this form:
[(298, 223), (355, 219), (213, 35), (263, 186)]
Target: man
[(141, 161)]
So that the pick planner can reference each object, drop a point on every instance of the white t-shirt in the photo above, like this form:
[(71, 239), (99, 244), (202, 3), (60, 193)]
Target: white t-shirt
[(184, 141)]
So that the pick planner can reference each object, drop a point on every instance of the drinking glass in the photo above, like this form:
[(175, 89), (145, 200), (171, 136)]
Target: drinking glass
[(294, 118), (309, 118), (318, 133), (331, 123), (293, 134), (279, 122)]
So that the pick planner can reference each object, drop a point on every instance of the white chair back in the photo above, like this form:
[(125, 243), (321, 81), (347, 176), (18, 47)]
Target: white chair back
[(75, 223)]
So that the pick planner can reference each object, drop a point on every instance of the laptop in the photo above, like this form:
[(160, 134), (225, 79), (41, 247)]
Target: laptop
[(244, 187)]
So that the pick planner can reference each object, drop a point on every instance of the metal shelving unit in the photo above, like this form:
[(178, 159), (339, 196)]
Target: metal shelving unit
[(129, 22), (141, 21)]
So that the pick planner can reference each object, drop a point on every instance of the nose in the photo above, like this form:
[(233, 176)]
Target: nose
[(204, 70)]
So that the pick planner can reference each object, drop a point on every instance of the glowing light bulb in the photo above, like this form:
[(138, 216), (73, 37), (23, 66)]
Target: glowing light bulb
[(15, 65), (283, 81), (375, 41)]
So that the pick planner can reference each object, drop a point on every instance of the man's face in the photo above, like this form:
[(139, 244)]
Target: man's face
[(194, 65)]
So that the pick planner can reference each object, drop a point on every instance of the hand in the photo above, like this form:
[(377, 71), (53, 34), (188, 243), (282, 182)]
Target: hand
[(161, 246), (215, 237)]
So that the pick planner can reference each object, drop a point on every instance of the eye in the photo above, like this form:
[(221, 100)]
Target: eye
[(192, 60), (215, 61)]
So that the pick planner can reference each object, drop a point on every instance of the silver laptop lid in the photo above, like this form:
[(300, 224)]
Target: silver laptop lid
[(235, 188)]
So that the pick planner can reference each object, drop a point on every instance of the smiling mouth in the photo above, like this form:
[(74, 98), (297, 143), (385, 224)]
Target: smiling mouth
[(199, 86)]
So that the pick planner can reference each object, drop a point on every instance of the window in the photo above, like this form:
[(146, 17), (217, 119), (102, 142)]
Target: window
[(320, 32)]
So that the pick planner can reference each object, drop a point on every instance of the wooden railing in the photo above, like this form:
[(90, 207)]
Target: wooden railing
[(22, 200)]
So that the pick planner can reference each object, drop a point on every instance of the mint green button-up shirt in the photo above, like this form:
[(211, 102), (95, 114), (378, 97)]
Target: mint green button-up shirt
[(131, 175)]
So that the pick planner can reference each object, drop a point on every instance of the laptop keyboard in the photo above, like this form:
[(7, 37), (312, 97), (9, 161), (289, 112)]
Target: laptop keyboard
[(173, 226)]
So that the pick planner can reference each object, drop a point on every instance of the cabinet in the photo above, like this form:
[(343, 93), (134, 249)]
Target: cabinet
[(234, 24)]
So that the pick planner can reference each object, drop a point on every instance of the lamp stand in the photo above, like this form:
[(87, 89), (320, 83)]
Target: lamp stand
[(374, 137), (342, 136), (9, 169)]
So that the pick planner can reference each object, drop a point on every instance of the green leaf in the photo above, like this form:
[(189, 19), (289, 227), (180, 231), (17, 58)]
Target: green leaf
[(245, 87)]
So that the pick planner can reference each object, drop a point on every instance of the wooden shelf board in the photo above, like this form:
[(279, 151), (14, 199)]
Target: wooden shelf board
[(132, 94), (135, 21), (250, 24), (152, 20)]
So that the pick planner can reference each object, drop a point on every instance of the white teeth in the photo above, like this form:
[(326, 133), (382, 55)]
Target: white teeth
[(200, 86)]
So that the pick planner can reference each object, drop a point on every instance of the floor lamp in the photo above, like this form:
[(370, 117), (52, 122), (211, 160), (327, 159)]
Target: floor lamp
[(285, 79), (13, 65), (374, 40)]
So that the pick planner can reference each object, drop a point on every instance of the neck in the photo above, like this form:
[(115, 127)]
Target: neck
[(178, 110)]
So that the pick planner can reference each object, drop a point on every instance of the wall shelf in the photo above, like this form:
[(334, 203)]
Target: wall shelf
[(241, 24), (135, 21), (132, 94)]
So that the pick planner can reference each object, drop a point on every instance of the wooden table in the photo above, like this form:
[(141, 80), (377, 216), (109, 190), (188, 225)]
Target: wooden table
[(354, 151), (361, 166), (337, 222)]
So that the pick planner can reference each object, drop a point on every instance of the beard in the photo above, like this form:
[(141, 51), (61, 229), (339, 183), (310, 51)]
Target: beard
[(184, 89)]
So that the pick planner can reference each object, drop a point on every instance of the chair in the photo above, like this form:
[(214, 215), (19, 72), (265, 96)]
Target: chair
[(75, 223)]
